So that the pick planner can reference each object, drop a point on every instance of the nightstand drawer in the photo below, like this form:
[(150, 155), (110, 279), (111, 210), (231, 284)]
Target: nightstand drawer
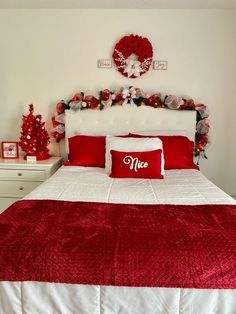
[(16, 188), (15, 174)]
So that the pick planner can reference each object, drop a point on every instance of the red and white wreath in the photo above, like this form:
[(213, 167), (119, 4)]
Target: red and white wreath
[(133, 55)]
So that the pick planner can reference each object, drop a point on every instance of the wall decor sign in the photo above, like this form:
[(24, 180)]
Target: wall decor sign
[(132, 55), (160, 65), (104, 63), (10, 150)]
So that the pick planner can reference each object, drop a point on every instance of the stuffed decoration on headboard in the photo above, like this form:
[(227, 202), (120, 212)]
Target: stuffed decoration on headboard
[(135, 96)]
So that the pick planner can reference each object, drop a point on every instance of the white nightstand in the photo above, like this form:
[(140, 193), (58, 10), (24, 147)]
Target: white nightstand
[(18, 178)]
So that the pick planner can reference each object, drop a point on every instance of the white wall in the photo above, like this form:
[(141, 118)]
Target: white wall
[(48, 55)]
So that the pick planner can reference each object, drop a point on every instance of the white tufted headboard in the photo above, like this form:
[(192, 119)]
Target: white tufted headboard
[(129, 118)]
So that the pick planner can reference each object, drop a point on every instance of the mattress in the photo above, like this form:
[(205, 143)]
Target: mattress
[(92, 184)]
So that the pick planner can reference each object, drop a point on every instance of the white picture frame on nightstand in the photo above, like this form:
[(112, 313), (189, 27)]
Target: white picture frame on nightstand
[(10, 150)]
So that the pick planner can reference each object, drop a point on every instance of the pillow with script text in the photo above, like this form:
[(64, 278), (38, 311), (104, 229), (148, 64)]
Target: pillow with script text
[(136, 164)]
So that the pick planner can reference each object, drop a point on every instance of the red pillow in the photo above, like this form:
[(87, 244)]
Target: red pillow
[(136, 164), (87, 151), (178, 151)]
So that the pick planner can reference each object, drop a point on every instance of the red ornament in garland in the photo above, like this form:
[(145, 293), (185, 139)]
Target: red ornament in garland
[(133, 55), (34, 137)]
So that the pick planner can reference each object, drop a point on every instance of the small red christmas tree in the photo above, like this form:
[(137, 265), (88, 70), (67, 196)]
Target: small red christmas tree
[(34, 137)]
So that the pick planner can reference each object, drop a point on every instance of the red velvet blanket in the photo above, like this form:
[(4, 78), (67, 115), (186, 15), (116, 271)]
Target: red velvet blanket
[(119, 244)]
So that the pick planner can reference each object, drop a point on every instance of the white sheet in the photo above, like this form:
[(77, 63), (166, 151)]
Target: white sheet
[(92, 184)]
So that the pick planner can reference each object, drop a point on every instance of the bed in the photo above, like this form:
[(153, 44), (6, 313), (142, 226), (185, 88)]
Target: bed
[(91, 185)]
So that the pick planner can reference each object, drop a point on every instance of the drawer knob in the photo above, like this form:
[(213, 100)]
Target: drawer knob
[(21, 188), (19, 174)]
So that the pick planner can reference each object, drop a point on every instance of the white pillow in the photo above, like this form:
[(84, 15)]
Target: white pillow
[(102, 133), (131, 144), (164, 132)]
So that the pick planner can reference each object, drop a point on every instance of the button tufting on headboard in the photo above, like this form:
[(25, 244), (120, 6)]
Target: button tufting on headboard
[(125, 119)]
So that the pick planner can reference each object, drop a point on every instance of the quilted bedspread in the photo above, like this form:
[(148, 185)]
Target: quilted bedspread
[(183, 246)]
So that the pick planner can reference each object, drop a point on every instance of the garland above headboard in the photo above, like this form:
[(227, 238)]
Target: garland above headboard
[(134, 96)]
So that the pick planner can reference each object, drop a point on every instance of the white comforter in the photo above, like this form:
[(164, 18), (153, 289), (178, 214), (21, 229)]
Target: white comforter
[(92, 184)]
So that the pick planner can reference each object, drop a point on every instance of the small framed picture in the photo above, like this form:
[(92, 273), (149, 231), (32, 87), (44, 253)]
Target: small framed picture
[(160, 65), (10, 150), (104, 63)]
